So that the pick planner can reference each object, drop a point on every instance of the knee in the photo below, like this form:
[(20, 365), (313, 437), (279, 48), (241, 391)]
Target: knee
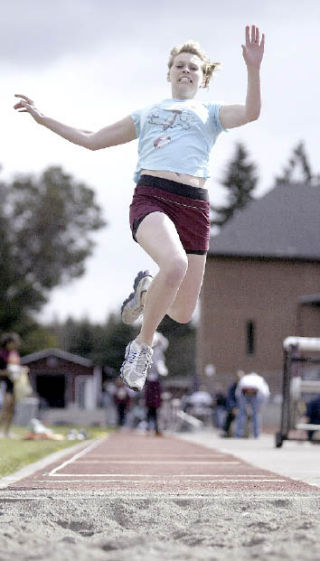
[(181, 316), (175, 270)]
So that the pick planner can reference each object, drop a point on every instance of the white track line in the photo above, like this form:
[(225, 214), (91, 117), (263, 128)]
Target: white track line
[(156, 462), (168, 481), (155, 456), (139, 495), (141, 475), (75, 457)]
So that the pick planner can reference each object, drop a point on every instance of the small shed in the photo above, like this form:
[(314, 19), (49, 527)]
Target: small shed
[(63, 380)]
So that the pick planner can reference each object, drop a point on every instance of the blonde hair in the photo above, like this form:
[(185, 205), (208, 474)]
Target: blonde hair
[(194, 48)]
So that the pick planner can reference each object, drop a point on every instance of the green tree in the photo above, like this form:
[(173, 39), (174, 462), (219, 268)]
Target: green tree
[(298, 168), (46, 227), (35, 338), (105, 343), (78, 337), (240, 182)]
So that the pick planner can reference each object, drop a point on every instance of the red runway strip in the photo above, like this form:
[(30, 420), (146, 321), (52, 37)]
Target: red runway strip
[(132, 462)]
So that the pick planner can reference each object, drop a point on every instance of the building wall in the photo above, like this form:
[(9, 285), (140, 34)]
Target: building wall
[(264, 292), (53, 365), (309, 321)]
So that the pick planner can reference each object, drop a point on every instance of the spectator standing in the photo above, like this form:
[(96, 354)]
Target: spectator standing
[(220, 404), (108, 402), (231, 404), (9, 363), (313, 415), (122, 402), (153, 401), (252, 391), (153, 388)]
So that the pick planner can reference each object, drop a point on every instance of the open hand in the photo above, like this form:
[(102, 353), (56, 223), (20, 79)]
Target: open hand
[(253, 50), (26, 105)]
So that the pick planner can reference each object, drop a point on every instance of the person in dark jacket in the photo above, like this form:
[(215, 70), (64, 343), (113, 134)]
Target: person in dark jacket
[(231, 405), (122, 400), (313, 414), (153, 389), (153, 401)]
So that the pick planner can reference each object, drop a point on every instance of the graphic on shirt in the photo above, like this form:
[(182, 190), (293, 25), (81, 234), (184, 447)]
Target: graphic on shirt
[(176, 118), (161, 141)]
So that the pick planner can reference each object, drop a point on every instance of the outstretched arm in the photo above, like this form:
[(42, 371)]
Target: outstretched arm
[(118, 133), (236, 115)]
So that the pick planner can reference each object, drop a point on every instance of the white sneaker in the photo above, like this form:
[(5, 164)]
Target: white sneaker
[(137, 361), (132, 307)]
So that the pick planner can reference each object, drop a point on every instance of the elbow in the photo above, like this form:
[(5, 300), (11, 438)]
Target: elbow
[(90, 142), (94, 145), (253, 115)]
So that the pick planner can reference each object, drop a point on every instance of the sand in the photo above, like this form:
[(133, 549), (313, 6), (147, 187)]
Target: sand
[(40, 525)]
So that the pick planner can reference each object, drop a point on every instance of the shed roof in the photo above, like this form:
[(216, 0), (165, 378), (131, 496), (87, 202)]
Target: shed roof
[(283, 224), (58, 353)]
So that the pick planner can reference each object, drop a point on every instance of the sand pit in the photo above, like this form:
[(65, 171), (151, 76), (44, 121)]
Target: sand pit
[(96, 526)]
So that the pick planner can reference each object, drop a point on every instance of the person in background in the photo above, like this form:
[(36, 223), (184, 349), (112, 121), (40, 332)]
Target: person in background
[(108, 402), (231, 405), (200, 405), (122, 402), (313, 415), (153, 389), (219, 403), (252, 391), (9, 362), (153, 401)]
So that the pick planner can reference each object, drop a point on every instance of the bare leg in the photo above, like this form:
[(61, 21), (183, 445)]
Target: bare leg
[(187, 296), (7, 412), (157, 235)]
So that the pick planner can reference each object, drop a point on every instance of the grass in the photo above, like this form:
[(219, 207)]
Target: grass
[(16, 453)]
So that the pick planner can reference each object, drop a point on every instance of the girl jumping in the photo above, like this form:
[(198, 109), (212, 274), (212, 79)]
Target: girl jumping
[(169, 214)]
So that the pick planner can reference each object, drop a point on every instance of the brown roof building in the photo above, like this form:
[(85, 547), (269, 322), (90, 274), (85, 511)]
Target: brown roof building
[(262, 284), (63, 379)]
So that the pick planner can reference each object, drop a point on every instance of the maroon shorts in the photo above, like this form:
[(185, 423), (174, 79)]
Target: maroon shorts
[(188, 208)]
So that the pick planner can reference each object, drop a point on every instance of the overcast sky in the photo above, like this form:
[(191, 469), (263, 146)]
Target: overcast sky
[(89, 63)]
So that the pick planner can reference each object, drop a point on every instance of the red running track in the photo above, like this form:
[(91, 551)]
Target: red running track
[(139, 463)]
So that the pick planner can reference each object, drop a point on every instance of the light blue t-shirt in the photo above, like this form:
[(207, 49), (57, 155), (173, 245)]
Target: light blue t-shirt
[(176, 135)]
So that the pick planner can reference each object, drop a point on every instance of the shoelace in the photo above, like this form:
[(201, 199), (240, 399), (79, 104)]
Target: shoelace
[(132, 356), (143, 358)]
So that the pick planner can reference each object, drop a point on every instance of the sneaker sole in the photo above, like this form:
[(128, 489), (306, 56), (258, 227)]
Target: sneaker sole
[(140, 276), (126, 384)]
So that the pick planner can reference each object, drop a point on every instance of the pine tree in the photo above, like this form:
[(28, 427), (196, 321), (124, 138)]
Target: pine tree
[(298, 168), (240, 181)]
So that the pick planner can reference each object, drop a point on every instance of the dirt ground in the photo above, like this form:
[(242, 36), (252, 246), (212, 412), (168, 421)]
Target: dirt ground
[(143, 498), (42, 526)]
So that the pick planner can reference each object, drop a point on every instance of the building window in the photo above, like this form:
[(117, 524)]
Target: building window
[(250, 337)]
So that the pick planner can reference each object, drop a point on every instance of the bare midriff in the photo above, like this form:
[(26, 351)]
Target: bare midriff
[(174, 176)]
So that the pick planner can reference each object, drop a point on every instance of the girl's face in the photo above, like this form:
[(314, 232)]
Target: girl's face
[(185, 75)]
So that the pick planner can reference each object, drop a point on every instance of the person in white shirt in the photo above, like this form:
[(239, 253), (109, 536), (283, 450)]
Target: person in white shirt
[(252, 391)]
